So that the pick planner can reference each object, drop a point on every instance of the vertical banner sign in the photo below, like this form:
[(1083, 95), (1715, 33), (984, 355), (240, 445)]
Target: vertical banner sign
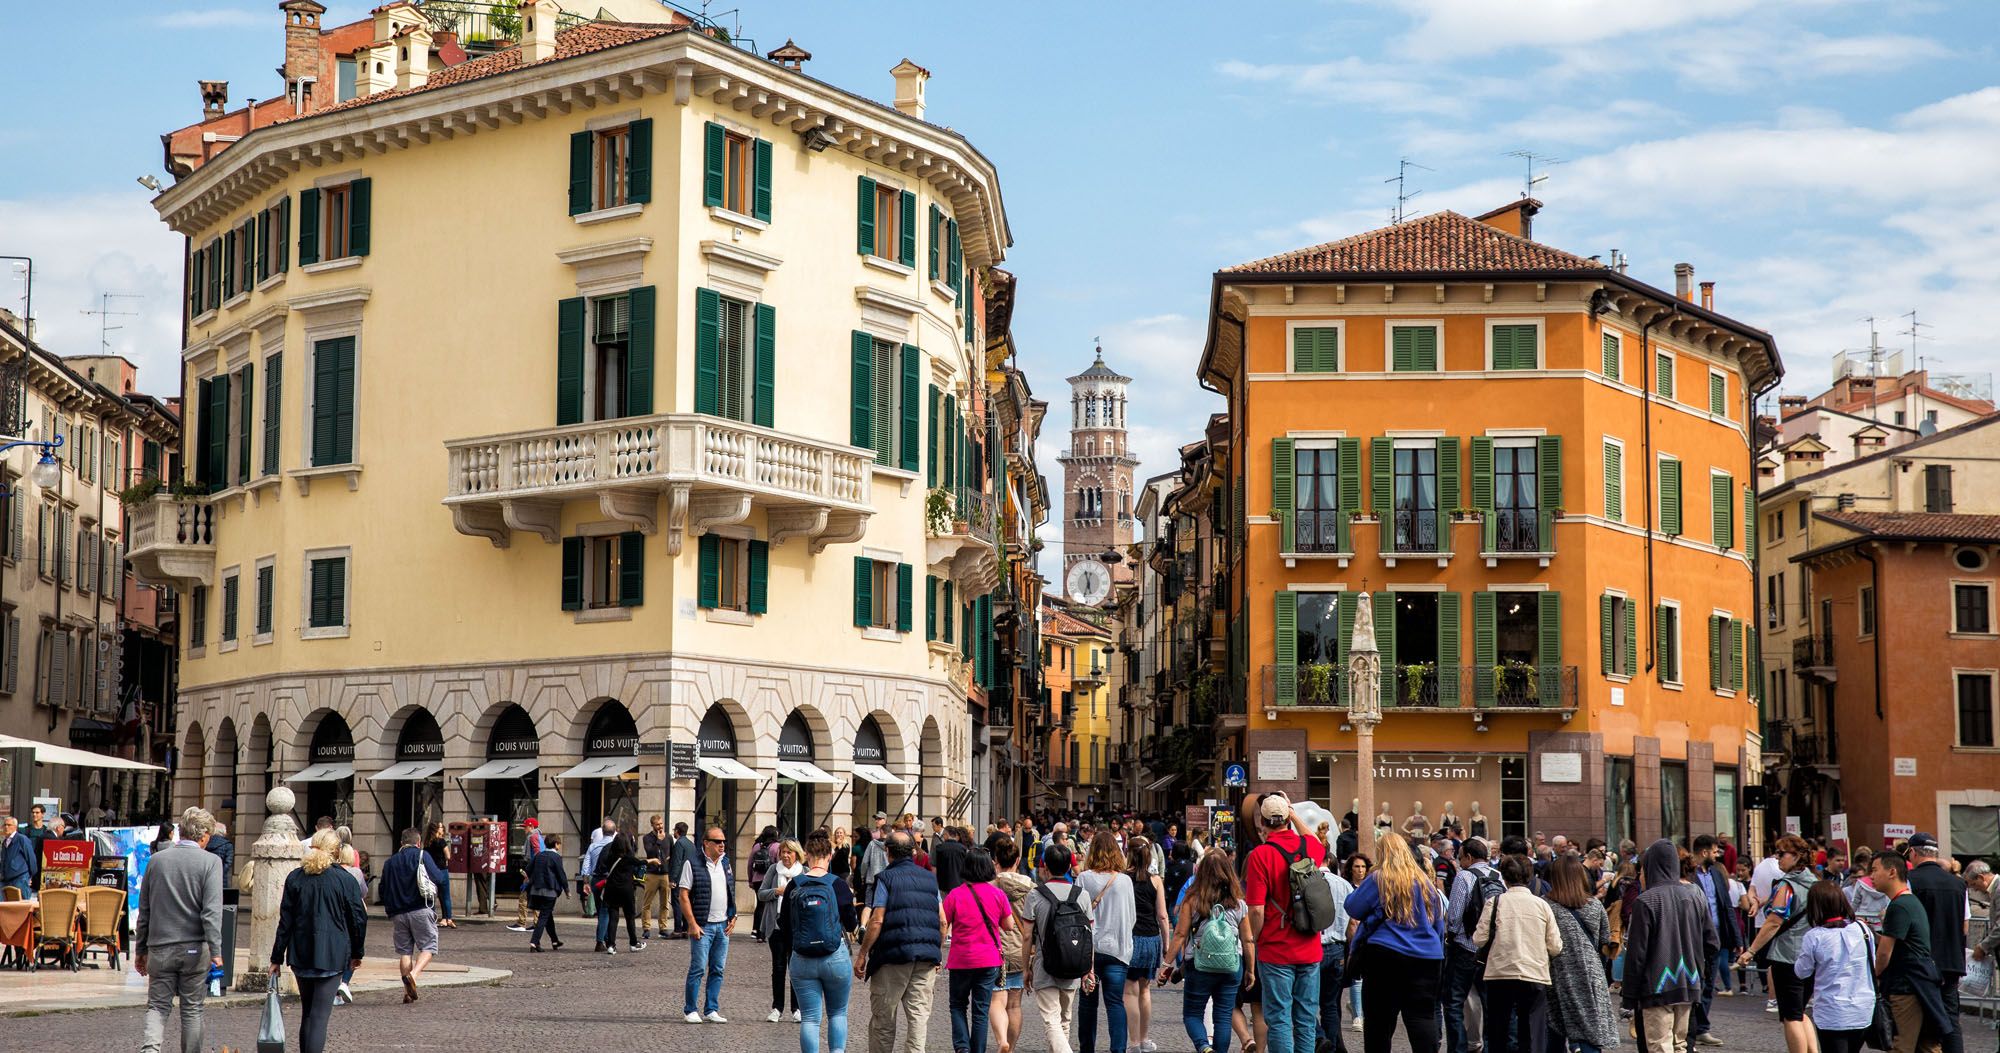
[(1837, 832), (1793, 826)]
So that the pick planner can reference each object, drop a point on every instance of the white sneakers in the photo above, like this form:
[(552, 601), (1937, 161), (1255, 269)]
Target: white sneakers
[(1357, 1023), (694, 1018), (774, 1017), (796, 1017), (716, 1018)]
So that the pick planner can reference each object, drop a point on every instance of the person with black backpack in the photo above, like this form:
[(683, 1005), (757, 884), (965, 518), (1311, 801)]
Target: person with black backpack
[(818, 910), (1290, 904), (1060, 949), (1463, 995)]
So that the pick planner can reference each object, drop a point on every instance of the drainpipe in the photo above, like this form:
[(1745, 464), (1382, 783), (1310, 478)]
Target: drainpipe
[(1875, 582)]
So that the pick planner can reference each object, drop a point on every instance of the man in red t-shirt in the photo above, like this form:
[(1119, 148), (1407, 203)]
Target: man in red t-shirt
[(1287, 959)]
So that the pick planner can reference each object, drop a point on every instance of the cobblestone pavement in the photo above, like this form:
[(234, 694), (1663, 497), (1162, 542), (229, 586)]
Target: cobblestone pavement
[(574, 1000)]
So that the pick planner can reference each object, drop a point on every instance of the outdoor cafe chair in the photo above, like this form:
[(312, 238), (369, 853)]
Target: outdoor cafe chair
[(61, 933), (103, 907), (11, 894)]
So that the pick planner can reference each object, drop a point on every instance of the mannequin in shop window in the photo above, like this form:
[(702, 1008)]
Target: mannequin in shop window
[(1418, 824), (1384, 820), (1476, 822), (1448, 821)]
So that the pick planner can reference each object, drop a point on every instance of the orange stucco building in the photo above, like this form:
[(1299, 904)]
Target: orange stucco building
[(1537, 469)]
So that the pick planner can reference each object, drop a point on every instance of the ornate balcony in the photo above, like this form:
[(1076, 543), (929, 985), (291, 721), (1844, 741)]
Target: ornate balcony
[(713, 471), (1517, 533), (959, 533), (172, 541)]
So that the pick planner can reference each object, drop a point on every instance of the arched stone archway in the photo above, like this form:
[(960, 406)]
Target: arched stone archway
[(608, 780), (221, 779), (935, 770), (189, 765)]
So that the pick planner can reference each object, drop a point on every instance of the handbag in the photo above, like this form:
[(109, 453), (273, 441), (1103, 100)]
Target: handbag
[(1881, 1032), (271, 1030)]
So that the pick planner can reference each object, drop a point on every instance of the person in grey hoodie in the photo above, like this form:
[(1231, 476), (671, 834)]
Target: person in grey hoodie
[(1668, 934), (180, 930)]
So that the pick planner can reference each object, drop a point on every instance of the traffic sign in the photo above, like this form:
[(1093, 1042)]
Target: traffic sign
[(1235, 775)]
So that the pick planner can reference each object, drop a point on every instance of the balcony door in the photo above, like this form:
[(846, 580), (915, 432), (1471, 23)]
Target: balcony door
[(1416, 498), (1516, 490)]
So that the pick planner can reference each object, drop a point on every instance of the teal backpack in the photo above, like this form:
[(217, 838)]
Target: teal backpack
[(1217, 948)]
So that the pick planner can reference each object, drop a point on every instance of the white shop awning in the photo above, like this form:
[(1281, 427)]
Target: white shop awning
[(601, 768), (803, 771), (727, 768), (503, 769), (50, 753), (408, 771), (877, 774), (332, 772), (1162, 782)]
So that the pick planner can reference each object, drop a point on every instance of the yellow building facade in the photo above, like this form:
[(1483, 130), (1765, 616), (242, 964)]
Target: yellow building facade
[(568, 418)]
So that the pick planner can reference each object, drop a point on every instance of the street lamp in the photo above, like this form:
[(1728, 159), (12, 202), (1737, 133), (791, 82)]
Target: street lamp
[(1364, 707), (47, 471)]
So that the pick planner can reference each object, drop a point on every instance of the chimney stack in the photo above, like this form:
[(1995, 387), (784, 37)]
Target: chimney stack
[(538, 30), (375, 69), (413, 57), (214, 98), (1708, 295), (1684, 281), (910, 79), (791, 56), (301, 42)]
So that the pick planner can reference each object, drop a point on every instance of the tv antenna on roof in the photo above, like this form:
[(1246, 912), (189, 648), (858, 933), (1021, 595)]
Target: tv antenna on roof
[(1404, 195), (1915, 333), (104, 315), (1532, 158)]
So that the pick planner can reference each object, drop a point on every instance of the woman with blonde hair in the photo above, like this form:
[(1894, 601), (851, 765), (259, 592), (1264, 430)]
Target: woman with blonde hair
[(1112, 905), (322, 927), (1397, 930), (350, 861), (790, 863)]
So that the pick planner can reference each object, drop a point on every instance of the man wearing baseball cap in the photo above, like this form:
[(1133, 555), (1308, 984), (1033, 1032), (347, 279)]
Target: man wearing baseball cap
[(1945, 900), (1287, 959)]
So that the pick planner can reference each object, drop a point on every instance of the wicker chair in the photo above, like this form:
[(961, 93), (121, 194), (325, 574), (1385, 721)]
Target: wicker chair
[(61, 933), (11, 894), (103, 907)]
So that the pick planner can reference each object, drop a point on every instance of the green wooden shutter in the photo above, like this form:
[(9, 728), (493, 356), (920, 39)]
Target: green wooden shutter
[(908, 257), (1316, 349), (572, 575), (1550, 647), (937, 242), (1343, 620), (1285, 648), (861, 391), (1403, 349), (639, 352), (1614, 481), (1722, 509), (1660, 643), (261, 231), (569, 361), (954, 267), (758, 600), (229, 275), (1631, 628), (764, 400), (1482, 492), (951, 438), (326, 402), (708, 572), (1449, 494), (1350, 492), (1718, 394), (1382, 475), (1485, 648), (579, 172), (931, 463), (1611, 363), (707, 351), (218, 433), (714, 150), (864, 225), (214, 272), (1283, 481), (1670, 496), (906, 398), (1607, 630), (760, 180), (1549, 478), (1754, 678), (864, 604), (631, 569), (274, 393), (1715, 668), (949, 606), (245, 412), (265, 580), (905, 586), (1749, 519), (1385, 642), (1736, 632), (1665, 385), (930, 607), (639, 163), (1448, 656), (359, 194)]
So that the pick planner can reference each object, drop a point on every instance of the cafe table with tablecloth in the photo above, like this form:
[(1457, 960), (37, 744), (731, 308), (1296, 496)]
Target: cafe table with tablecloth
[(17, 927)]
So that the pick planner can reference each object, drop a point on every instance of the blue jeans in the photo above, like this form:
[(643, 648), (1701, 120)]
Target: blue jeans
[(707, 953), (1462, 977), (1354, 999), (1332, 957), (1291, 1002), (973, 986), (1202, 989), (822, 985), (1111, 990)]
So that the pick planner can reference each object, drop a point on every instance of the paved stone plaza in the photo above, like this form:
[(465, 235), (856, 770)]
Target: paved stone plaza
[(574, 1000)]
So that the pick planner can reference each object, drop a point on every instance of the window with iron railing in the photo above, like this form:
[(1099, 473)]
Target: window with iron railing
[(1416, 499), (1516, 505)]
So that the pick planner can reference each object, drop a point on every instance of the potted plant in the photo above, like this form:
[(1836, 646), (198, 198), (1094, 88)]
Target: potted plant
[(1464, 514), (1319, 683), (1416, 677), (937, 511)]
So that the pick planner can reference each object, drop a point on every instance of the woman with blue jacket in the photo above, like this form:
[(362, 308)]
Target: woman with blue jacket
[(322, 926), (1397, 927), (546, 884)]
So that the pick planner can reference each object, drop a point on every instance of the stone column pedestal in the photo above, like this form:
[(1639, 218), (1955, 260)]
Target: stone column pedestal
[(273, 858)]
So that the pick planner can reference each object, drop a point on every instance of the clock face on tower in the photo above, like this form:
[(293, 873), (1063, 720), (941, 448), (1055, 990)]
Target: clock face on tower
[(1088, 582)]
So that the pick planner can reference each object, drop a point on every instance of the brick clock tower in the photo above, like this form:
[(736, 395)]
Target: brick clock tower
[(1097, 485)]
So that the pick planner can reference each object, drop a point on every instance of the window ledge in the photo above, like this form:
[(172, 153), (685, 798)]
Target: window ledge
[(203, 318), (227, 646), (1389, 559), (1973, 636), (197, 652), (876, 632), (1724, 692), (324, 266), (737, 219), (305, 476), (1618, 678), (323, 632), (606, 215), (236, 301), (271, 282), (1670, 685), (726, 616), (1493, 558), (891, 266), (260, 639), (1976, 749), (1292, 558), (904, 479), (590, 615), (257, 486), (944, 290)]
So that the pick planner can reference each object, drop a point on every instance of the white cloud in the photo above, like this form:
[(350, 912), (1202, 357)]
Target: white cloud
[(220, 18), (1455, 28), (92, 244)]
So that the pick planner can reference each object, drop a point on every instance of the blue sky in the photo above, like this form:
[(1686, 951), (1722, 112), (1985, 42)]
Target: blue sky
[(1821, 160)]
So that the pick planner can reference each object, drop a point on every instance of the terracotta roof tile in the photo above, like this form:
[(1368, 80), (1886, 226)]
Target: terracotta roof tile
[(1441, 242), (1920, 526), (578, 40)]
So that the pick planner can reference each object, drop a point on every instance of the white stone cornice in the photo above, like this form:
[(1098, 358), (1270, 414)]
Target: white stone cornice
[(606, 251), (353, 295)]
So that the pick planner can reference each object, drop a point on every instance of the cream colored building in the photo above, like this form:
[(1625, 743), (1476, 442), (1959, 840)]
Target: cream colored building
[(571, 406)]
